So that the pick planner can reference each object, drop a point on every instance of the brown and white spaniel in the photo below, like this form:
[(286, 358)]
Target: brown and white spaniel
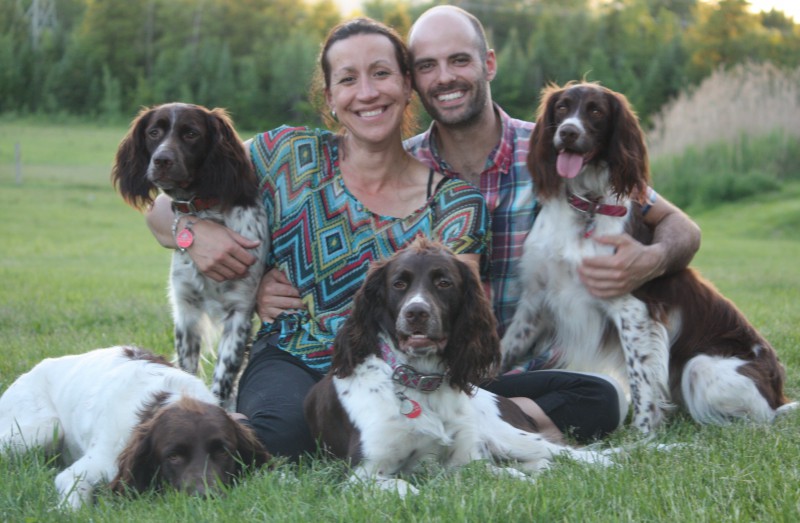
[(194, 155), (401, 387), (125, 416), (676, 339)]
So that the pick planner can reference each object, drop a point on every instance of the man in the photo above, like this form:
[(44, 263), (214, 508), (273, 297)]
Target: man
[(472, 138)]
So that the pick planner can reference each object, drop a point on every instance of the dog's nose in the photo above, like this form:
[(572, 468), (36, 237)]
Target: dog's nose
[(417, 313), (568, 133), (164, 160)]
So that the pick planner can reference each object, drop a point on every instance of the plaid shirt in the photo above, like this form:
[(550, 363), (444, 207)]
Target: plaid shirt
[(506, 185)]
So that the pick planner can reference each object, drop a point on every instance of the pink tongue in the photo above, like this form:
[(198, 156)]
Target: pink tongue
[(569, 164)]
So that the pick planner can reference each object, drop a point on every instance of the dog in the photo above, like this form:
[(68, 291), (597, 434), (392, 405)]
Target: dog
[(675, 340), (401, 385), (194, 155), (125, 416)]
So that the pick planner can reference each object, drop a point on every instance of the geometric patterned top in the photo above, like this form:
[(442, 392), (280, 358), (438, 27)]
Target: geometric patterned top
[(324, 239)]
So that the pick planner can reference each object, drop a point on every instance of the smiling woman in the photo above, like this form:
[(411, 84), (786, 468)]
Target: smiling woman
[(336, 202)]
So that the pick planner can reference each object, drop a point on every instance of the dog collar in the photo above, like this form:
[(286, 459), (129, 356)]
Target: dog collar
[(407, 375), (194, 205), (581, 204)]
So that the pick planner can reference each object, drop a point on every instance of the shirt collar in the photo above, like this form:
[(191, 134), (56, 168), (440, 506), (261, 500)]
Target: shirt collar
[(499, 160)]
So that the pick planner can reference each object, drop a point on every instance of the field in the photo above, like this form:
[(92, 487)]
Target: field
[(79, 270)]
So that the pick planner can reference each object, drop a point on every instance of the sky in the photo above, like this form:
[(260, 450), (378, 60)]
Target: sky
[(790, 7)]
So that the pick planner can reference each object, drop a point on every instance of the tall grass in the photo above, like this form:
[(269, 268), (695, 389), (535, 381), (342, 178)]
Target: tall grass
[(750, 99), (736, 135), (79, 270)]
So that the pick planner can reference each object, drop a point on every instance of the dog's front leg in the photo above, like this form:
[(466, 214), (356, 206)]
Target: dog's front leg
[(75, 484), (525, 328), (230, 354), (368, 473), (646, 348), (187, 313)]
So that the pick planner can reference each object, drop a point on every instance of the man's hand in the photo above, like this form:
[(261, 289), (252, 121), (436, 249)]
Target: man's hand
[(631, 265), (220, 253), (276, 294)]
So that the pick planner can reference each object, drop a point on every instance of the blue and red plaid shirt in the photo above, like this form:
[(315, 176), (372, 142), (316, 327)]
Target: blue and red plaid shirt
[(506, 185)]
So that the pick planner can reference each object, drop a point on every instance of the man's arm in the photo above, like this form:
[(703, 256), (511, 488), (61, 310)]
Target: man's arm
[(219, 253), (676, 239)]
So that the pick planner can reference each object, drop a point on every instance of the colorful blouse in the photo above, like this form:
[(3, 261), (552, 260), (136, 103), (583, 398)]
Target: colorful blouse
[(324, 239)]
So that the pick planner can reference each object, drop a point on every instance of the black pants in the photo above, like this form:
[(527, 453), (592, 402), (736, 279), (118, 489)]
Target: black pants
[(582, 405), (275, 383)]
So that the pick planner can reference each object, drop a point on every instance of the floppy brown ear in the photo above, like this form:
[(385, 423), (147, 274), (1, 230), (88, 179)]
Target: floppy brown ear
[(473, 348), (227, 173), (627, 157), (542, 155), (249, 449), (138, 465), (129, 173), (358, 336)]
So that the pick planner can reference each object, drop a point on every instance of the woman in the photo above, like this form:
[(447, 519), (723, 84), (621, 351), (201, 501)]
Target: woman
[(337, 202)]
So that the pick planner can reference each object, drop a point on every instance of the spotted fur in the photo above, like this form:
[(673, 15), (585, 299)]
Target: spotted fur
[(656, 340), (190, 152)]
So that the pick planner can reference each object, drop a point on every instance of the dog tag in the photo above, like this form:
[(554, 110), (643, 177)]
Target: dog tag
[(184, 239), (409, 408)]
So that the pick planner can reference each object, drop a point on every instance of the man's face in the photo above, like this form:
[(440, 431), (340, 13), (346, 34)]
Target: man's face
[(451, 78)]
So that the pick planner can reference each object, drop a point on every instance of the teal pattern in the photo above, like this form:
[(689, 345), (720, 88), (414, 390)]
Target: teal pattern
[(324, 239)]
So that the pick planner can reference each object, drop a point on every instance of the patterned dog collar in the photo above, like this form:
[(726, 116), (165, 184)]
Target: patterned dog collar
[(407, 375)]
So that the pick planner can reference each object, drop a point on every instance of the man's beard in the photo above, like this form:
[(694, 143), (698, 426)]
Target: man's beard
[(467, 116)]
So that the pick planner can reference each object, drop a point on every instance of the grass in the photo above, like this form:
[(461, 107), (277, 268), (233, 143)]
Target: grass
[(79, 270)]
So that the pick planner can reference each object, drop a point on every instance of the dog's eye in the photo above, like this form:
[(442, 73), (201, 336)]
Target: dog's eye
[(174, 458), (444, 284), (400, 285), (595, 111), (154, 133), (191, 134)]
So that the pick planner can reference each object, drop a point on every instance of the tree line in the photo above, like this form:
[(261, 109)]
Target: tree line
[(104, 59)]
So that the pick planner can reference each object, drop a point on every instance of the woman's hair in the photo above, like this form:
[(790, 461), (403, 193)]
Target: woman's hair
[(343, 31)]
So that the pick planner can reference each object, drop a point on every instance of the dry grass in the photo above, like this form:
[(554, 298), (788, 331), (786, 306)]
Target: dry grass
[(749, 99)]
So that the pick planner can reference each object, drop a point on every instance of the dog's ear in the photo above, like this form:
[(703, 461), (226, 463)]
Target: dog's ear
[(250, 451), (227, 172), (138, 464), (358, 336), (542, 154), (129, 174), (473, 349), (627, 156)]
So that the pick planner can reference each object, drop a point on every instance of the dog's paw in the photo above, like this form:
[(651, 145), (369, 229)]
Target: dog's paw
[(510, 472)]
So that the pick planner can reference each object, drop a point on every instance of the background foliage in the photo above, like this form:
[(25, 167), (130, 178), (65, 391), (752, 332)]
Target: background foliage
[(103, 59)]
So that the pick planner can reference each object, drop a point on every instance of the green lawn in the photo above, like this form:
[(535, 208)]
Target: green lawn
[(79, 270)]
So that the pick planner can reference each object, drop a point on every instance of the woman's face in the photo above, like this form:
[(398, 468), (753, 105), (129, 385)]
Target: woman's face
[(367, 89)]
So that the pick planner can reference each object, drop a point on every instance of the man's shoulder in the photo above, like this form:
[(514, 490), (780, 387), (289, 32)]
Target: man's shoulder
[(521, 129)]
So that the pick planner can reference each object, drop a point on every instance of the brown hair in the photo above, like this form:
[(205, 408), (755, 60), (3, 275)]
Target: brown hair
[(343, 31)]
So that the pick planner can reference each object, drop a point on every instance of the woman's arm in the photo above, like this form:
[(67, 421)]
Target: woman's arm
[(219, 253)]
